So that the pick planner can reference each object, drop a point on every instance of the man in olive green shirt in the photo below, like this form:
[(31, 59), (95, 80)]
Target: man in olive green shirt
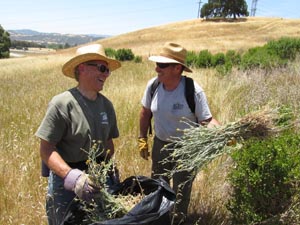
[(73, 120)]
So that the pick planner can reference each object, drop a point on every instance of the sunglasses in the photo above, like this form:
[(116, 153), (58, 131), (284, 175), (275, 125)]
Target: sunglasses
[(164, 65), (100, 67)]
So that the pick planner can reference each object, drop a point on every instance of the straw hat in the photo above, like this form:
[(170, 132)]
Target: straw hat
[(88, 53), (172, 53)]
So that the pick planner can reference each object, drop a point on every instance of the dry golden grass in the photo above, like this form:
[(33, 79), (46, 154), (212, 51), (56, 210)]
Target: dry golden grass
[(27, 84), (198, 34)]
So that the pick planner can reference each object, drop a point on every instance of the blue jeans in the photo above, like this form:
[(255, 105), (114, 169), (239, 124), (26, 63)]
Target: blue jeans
[(58, 199)]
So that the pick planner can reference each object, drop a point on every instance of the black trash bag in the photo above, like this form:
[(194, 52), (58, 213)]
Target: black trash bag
[(152, 210)]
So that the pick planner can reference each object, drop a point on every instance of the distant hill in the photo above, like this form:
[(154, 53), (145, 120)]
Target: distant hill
[(199, 34), (53, 38)]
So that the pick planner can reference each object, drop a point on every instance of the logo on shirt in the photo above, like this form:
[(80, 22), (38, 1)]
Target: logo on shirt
[(103, 118), (177, 106)]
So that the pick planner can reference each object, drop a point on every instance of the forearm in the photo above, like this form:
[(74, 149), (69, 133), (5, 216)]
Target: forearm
[(145, 116), (111, 147), (211, 122), (53, 160), (214, 123)]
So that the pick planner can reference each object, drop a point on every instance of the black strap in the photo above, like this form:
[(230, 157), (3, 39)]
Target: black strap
[(154, 86), (189, 92)]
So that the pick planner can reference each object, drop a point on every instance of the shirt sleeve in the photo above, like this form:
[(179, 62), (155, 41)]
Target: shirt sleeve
[(202, 110), (146, 100), (114, 131), (53, 125)]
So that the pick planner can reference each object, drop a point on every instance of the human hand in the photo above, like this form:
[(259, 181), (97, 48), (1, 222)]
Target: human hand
[(143, 147), (79, 182)]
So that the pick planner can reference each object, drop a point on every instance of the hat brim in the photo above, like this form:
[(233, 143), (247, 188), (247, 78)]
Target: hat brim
[(163, 59), (68, 68)]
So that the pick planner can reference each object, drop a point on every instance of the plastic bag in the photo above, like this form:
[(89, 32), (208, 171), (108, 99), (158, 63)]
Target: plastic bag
[(152, 209)]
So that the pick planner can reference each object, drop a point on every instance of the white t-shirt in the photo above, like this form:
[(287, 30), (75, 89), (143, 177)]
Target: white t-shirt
[(170, 107)]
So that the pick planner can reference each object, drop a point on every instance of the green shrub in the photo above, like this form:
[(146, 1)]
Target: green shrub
[(264, 178), (138, 59), (261, 57), (110, 52), (204, 59), (218, 59), (191, 58), (233, 57), (124, 54), (285, 48)]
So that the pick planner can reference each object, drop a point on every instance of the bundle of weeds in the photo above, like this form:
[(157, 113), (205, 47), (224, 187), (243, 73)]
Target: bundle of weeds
[(201, 144), (105, 205)]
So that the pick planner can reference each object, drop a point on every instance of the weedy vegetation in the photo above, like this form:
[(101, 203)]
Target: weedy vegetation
[(105, 205), (199, 145)]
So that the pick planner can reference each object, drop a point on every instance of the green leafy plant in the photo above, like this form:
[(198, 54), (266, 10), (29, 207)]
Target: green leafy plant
[(263, 179), (124, 54)]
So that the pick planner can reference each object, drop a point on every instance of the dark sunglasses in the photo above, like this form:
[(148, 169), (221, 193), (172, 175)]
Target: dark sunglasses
[(164, 65), (100, 67)]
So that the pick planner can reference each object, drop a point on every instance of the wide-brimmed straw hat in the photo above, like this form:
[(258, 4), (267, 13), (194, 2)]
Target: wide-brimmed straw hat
[(88, 53), (172, 53)]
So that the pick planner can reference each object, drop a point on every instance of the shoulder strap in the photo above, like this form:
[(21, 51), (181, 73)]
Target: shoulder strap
[(154, 86), (190, 93)]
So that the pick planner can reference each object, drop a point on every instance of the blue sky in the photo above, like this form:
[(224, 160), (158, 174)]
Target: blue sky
[(116, 16)]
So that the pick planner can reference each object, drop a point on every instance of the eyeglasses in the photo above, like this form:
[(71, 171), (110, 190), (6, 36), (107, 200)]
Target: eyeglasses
[(164, 65), (100, 67)]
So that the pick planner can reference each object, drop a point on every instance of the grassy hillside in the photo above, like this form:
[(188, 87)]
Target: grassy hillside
[(199, 34), (27, 84)]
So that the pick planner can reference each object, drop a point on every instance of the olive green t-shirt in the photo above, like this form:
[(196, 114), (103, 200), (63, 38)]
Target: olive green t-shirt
[(72, 123)]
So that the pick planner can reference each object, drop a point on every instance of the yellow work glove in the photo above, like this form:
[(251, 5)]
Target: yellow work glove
[(231, 142), (143, 147)]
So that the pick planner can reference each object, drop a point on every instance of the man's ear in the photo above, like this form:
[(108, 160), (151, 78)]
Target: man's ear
[(179, 67)]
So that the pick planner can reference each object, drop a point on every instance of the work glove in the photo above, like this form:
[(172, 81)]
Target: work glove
[(80, 183), (143, 147), (231, 142)]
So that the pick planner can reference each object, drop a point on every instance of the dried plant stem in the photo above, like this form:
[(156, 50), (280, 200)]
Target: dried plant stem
[(199, 145), (105, 206)]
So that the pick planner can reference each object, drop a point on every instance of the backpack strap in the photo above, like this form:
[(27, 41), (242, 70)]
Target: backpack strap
[(190, 93), (154, 86)]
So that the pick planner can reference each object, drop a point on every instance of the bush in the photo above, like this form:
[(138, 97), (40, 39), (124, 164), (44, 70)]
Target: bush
[(218, 59), (285, 48), (5, 43), (260, 57), (233, 57), (264, 178), (191, 58), (204, 59), (124, 54), (138, 59), (110, 52)]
